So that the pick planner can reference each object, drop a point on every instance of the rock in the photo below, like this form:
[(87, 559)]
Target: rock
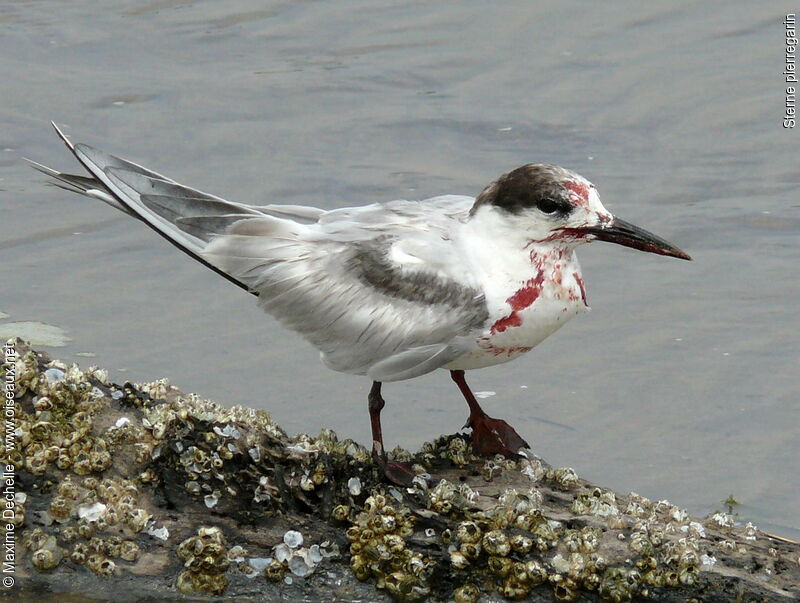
[(131, 492)]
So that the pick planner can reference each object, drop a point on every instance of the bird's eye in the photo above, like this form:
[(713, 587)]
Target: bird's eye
[(547, 206)]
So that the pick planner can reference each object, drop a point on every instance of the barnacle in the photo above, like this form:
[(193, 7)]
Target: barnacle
[(137, 519), (521, 543), (564, 478), (100, 564), (458, 560), (45, 558), (443, 497), (512, 589), (500, 566), (360, 567), (60, 508), (68, 489), (129, 550), (619, 585), (750, 531), (496, 543), (468, 593), (205, 557), (340, 513), (468, 532), (565, 589), (491, 470), (458, 451), (470, 550), (640, 543), (80, 552)]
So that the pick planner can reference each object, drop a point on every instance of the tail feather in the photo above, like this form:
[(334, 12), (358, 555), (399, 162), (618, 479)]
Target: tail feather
[(83, 185), (156, 200)]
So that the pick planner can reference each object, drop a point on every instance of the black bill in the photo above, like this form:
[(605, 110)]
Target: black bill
[(624, 233)]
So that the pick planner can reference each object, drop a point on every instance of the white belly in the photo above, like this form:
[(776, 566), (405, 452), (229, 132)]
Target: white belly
[(535, 309)]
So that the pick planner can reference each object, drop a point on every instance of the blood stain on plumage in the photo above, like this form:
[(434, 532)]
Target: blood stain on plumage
[(556, 277), (580, 192), (561, 233), (497, 350), (583, 288), (522, 298)]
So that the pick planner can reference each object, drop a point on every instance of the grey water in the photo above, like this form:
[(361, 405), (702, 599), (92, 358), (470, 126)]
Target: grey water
[(682, 383)]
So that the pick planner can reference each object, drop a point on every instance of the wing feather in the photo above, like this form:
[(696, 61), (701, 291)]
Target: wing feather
[(316, 286), (414, 362)]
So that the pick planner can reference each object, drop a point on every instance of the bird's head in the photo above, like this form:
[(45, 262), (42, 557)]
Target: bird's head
[(547, 203)]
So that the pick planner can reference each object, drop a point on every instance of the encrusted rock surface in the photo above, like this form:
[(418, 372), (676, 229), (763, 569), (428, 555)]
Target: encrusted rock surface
[(138, 492)]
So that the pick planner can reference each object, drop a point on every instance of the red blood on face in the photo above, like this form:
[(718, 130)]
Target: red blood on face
[(580, 192)]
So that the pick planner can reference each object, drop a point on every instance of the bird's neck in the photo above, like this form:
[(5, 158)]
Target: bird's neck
[(505, 257)]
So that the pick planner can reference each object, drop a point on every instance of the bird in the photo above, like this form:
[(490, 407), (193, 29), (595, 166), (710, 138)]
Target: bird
[(394, 289)]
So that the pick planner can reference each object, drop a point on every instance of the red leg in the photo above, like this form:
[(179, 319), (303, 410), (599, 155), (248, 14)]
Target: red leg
[(489, 436), (397, 473)]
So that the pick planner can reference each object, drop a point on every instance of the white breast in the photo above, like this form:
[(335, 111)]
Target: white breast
[(531, 292)]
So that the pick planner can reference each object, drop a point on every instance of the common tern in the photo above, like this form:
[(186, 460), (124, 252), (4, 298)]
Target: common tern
[(395, 289)]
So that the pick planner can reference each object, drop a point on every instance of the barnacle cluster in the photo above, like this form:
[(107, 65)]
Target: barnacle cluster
[(532, 468), (514, 547), (447, 498), (379, 550), (455, 449), (57, 428), (157, 390), (97, 504), (96, 553), (208, 446), (205, 557), (598, 502), (722, 520), (531, 527), (237, 460), (57, 440), (88, 509), (505, 540), (517, 548), (663, 558)]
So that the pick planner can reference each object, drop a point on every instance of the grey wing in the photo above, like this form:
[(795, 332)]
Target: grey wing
[(364, 313)]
